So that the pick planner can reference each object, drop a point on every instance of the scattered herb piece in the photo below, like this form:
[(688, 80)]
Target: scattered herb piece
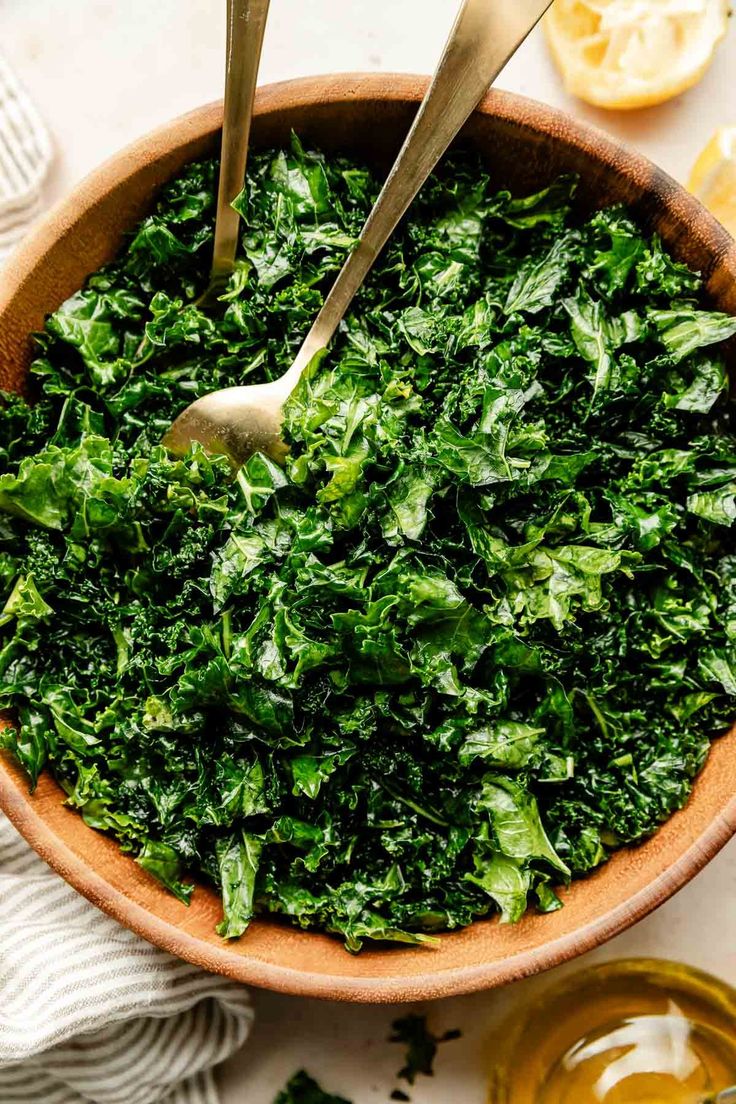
[(303, 1089), (476, 635), (421, 1046)]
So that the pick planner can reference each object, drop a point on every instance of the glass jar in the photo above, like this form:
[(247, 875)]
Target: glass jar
[(638, 1031)]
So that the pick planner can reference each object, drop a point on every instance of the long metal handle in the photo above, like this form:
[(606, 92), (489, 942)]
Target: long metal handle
[(485, 35), (246, 23)]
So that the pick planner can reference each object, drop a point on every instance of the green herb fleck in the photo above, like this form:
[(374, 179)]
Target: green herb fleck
[(421, 1045), (303, 1089)]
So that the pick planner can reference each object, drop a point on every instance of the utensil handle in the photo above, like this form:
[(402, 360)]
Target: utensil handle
[(246, 23), (485, 35)]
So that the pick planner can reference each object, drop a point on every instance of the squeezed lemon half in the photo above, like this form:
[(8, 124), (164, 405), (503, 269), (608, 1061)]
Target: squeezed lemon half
[(633, 53), (713, 179)]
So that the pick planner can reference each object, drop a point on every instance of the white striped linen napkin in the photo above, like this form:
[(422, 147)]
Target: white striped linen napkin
[(89, 1012), (25, 158), (92, 1014)]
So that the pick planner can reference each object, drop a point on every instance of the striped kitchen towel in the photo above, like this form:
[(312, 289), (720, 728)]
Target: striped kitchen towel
[(25, 159), (92, 1014), (89, 1012)]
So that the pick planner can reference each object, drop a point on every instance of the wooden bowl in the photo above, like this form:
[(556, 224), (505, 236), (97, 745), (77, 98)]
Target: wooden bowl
[(525, 145)]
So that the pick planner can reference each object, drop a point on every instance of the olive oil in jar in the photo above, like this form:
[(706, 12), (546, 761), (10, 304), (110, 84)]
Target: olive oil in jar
[(633, 1032)]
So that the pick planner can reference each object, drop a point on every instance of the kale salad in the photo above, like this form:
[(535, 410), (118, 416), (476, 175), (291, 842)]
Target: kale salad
[(478, 631)]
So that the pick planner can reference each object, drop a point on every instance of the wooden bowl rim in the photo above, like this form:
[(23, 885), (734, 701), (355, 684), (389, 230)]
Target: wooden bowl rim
[(15, 800)]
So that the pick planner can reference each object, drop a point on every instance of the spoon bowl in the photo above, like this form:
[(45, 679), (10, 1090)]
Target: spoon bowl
[(234, 422)]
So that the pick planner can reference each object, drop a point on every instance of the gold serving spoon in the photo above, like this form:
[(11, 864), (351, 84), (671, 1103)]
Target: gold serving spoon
[(246, 24), (239, 421)]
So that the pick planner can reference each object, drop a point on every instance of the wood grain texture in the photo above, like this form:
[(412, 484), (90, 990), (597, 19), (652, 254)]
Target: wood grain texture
[(525, 146)]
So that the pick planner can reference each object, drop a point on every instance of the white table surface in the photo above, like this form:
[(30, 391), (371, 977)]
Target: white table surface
[(104, 72)]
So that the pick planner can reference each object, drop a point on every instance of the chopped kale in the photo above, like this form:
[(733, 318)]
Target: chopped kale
[(303, 1089), (477, 634), (421, 1047)]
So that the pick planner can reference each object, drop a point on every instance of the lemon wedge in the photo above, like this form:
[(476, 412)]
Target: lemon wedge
[(713, 179), (633, 53)]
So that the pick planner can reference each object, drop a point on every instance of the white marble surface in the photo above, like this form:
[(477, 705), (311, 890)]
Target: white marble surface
[(104, 72)]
